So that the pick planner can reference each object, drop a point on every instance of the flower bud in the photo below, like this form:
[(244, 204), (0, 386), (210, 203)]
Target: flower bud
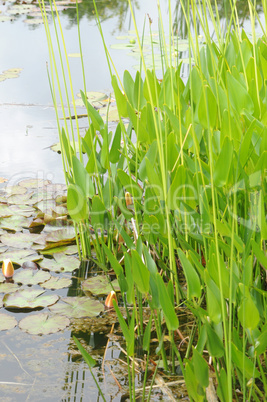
[(7, 268), (111, 296), (128, 198)]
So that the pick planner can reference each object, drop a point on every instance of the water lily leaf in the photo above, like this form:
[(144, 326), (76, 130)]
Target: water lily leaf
[(5, 211), (8, 287), (4, 18), (7, 322), (68, 263), (31, 277), (29, 298), (23, 210), (61, 263), (15, 190), (62, 235), (20, 199), (100, 285), (56, 283), (18, 240), (46, 206), (43, 324), (78, 307), (14, 223), (34, 183), (18, 256)]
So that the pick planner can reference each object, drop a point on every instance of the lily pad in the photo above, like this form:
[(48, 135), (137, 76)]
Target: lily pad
[(43, 324), (60, 263), (62, 235), (8, 287), (14, 223), (18, 240), (18, 256), (30, 277), (34, 183), (78, 307), (56, 283), (11, 190), (29, 298), (99, 285), (7, 322)]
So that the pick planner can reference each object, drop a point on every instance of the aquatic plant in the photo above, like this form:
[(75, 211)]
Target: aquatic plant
[(174, 201)]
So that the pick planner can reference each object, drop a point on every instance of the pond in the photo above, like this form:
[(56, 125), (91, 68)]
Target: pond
[(36, 367)]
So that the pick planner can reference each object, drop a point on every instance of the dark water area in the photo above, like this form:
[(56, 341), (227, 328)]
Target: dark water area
[(49, 368)]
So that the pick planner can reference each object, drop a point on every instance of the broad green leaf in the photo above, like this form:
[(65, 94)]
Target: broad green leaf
[(207, 108), (214, 343), (192, 278), (223, 163), (166, 305), (113, 260), (192, 383), (201, 368), (82, 178), (98, 213), (87, 358), (243, 363), (114, 153), (248, 313), (140, 273), (77, 203), (93, 113), (239, 96), (120, 98)]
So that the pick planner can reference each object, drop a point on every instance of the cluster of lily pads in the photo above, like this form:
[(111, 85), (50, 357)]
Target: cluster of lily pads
[(30, 9), (37, 236)]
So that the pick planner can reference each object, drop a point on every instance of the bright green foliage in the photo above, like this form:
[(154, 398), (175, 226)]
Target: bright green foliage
[(181, 188)]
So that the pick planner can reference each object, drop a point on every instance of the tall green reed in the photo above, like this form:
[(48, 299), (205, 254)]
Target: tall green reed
[(194, 168)]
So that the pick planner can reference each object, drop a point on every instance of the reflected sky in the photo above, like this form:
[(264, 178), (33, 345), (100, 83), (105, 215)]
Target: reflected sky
[(27, 119)]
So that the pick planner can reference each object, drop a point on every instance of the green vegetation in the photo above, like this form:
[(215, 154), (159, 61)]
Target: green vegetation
[(174, 201)]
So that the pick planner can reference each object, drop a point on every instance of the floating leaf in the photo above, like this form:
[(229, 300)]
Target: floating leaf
[(100, 285), (43, 324), (29, 298), (34, 183), (78, 307), (62, 235), (18, 240), (18, 256), (14, 223), (56, 283), (30, 277), (7, 322), (62, 263), (8, 287)]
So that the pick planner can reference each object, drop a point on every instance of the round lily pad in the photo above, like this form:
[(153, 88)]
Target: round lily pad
[(56, 283), (99, 285), (43, 324), (29, 298), (8, 287), (18, 240), (7, 322), (78, 307), (31, 277), (61, 263)]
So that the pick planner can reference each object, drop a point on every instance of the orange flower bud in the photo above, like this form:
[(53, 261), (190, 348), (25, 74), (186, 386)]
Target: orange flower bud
[(128, 198), (7, 268), (111, 296)]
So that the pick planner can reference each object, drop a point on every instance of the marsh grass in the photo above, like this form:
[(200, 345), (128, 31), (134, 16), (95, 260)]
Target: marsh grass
[(180, 187)]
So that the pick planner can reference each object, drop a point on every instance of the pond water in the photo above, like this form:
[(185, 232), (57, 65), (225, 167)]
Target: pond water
[(48, 367)]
